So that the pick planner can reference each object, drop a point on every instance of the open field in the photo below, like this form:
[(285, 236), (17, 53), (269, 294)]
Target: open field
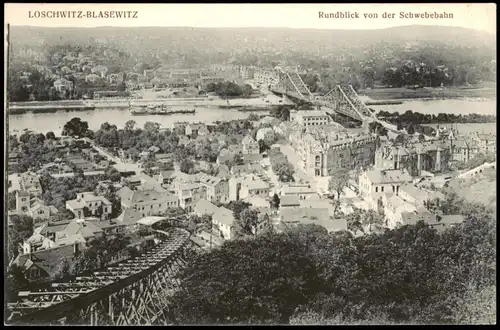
[(428, 93), (481, 189)]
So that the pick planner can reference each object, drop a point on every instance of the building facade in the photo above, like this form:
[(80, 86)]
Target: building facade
[(416, 157), (324, 152)]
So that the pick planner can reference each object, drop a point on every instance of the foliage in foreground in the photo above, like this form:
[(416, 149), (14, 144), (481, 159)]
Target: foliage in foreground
[(306, 276)]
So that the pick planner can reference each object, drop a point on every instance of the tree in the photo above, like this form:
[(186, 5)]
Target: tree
[(62, 272), (410, 129), (20, 229), (121, 87), (241, 296), (113, 174), (129, 125), (421, 137), (187, 166), (371, 217), (14, 282), (75, 127), (338, 181), (275, 202), (238, 207), (11, 201), (50, 135), (399, 139), (247, 222)]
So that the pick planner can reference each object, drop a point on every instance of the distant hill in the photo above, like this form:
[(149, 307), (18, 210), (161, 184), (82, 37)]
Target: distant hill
[(276, 38)]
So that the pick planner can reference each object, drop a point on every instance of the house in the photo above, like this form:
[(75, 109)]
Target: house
[(301, 191), (419, 197), (37, 242), (41, 266), (246, 186), (289, 201), (373, 184), (440, 222), (189, 194), (196, 129), (100, 70), (28, 182), (147, 202), (62, 85), (34, 207), (88, 204), (221, 217), (63, 232), (165, 177), (265, 132), (394, 207), (217, 189), (250, 146)]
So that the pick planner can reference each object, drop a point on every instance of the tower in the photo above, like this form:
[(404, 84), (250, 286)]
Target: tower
[(22, 201)]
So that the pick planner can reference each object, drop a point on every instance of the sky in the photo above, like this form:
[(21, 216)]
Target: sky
[(474, 16)]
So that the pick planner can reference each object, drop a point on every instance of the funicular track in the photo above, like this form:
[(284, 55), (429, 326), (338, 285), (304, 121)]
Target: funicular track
[(134, 292)]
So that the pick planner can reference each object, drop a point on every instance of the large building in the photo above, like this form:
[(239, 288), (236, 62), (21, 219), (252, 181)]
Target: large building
[(463, 149), (416, 157), (266, 77), (374, 184), (487, 142), (247, 186), (147, 202), (88, 204), (310, 118), (324, 150)]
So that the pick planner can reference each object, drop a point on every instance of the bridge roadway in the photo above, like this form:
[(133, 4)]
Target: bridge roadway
[(365, 115), (134, 292)]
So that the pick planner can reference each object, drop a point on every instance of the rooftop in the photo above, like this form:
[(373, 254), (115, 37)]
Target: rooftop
[(252, 182), (388, 176), (287, 201)]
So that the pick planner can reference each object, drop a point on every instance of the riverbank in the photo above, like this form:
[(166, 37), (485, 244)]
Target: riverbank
[(253, 104), (385, 94)]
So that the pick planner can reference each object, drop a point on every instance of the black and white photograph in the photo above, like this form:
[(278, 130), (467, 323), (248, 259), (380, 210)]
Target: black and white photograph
[(250, 164)]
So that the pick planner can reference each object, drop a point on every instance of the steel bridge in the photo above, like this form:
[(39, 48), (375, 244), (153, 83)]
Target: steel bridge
[(341, 99), (134, 292)]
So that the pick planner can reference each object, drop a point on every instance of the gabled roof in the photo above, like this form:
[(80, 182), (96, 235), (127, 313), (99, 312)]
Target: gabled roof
[(248, 140), (129, 216), (205, 207), (388, 176), (252, 181), (287, 201)]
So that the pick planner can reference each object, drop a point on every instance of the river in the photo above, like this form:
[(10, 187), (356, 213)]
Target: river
[(55, 121), (455, 106)]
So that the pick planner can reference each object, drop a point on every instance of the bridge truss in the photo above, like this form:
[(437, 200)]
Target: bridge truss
[(343, 100), (290, 83), (135, 292)]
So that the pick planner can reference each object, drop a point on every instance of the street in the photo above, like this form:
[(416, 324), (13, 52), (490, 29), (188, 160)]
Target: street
[(120, 165), (295, 160)]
